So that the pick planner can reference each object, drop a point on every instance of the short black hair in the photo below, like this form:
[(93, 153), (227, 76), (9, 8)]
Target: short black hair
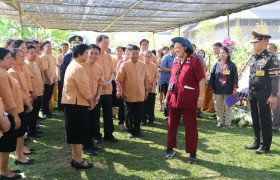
[(171, 46), (29, 43), (45, 43), (134, 47), (165, 47), (194, 46), (3, 53), (94, 46), (218, 44), (35, 42), (119, 47), (30, 47), (144, 40), (64, 44), (154, 52), (228, 53), (100, 37), (14, 52), (18, 43), (79, 49), (9, 42)]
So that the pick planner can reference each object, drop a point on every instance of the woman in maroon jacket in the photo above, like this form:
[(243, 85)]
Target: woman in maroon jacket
[(184, 96)]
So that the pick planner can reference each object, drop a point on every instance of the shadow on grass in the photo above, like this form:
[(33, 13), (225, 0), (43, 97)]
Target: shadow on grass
[(235, 172)]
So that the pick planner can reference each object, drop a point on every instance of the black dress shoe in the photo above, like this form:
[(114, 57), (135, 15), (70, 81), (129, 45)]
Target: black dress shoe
[(192, 159), (143, 123), (262, 150), (96, 148), (89, 152), (139, 135), (16, 171), (39, 132), (252, 147), (73, 163), (98, 140), (82, 166), (32, 149), (111, 139), (29, 161), (34, 135), (30, 153), (16, 176)]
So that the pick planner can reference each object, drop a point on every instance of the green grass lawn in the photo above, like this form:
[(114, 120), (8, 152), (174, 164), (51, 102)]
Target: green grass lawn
[(220, 152)]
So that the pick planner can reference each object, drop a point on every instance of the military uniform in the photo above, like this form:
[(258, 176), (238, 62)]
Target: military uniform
[(263, 83), (68, 57)]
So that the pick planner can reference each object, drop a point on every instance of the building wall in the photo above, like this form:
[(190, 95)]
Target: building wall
[(247, 26)]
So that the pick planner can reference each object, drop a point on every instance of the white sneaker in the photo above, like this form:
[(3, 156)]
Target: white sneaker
[(121, 127)]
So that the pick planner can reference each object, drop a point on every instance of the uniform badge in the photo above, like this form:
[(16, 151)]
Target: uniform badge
[(227, 72), (260, 73)]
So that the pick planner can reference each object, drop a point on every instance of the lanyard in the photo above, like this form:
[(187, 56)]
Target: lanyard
[(180, 68)]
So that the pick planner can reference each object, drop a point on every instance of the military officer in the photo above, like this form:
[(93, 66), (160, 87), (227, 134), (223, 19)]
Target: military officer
[(68, 57), (263, 88)]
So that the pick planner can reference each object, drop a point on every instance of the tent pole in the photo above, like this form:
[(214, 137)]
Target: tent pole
[(228, 25), (179, 31), (154, 40)]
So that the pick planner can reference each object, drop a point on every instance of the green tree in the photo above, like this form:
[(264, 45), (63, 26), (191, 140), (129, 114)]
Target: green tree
[(205, 33), (261, 28), (237, 32), (9, 29)]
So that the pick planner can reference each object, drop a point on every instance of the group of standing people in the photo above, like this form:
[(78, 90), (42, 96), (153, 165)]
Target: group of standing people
[(22, 94), (89, 80)]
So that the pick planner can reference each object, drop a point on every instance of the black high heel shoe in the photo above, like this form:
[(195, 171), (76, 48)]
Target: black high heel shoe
[(16, 176), (73, 163), (29, 161), (82, 166)]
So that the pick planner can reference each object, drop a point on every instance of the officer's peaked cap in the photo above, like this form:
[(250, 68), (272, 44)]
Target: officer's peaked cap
[(76, 39), (256, 36)]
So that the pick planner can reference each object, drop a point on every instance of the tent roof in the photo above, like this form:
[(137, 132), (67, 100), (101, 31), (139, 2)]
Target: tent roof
[(119, 15)]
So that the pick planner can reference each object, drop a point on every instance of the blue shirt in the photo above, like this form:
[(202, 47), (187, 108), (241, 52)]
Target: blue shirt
[(64, 64), (166, 62)]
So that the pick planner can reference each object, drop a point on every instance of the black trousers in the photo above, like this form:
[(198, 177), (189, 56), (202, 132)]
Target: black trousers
[(106, 103), (134, 114), (90, 129), (149, 108), (32, 128), (121, 114), (164, 88), (261, 116), (60, 87), (46, 98)]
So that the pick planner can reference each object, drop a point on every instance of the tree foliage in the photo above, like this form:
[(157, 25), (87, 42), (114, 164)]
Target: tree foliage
[(205, 34), (9, 29)]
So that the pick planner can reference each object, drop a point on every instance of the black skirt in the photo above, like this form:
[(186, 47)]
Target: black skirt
[(8, 141), (75, 123), (24, 117), (115, 101)]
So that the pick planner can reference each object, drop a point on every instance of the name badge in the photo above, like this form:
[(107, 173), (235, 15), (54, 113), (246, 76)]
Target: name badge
[(227, 72), (260, 73)]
